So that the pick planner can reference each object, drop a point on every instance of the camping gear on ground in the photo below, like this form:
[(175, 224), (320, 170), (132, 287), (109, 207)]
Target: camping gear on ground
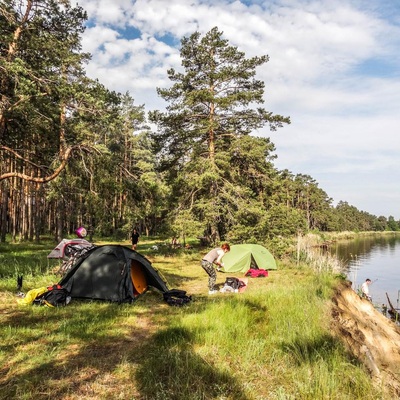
[(176, 297), (232, 284), (70, 250), (73, 259), (242, 257), (67, 247), (112, 272), (54, 296), (243, 287), (20, 280), (256, 273), (31, 295)]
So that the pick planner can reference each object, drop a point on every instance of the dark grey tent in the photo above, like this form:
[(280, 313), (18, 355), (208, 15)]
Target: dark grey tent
[(112, 272)]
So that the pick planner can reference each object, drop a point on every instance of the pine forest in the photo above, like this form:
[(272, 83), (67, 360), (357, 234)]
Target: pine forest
[(75, 153)]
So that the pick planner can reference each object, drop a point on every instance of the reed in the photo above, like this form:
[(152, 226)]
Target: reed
[(311, 249)]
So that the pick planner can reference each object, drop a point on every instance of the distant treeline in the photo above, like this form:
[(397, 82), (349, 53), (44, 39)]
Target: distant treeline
[(75, 153)]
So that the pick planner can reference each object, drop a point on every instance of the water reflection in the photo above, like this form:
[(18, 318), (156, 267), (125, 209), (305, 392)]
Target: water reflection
[(376, 258)]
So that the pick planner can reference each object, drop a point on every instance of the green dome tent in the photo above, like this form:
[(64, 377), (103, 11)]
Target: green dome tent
[(242, 257)]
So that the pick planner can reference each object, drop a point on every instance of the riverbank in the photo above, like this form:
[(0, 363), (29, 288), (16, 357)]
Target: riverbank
[(375, 257), (369, 336), (274, 341), (327, 238)]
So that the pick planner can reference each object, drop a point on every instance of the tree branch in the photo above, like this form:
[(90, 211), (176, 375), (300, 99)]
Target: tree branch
[(64, 161)]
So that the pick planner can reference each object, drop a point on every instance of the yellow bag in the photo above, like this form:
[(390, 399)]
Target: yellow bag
[(31, 296)]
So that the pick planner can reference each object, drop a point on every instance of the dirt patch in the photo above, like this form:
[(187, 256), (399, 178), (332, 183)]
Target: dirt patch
[(369, 336)]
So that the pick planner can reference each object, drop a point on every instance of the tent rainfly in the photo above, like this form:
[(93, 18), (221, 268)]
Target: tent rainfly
[(114, 273), (242, 257)]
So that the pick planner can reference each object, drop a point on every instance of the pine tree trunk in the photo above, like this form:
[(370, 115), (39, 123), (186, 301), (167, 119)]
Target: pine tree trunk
[(37, 212), (24, 208), (4, 211), (15, 213), (60, 220)]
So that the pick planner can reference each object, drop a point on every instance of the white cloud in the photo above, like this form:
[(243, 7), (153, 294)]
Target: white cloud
[(331, 69)]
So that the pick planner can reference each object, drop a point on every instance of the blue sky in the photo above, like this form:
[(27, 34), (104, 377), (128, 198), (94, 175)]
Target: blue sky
[(334, 69)]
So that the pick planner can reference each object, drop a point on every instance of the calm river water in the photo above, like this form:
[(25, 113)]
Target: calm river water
[(376, 258)]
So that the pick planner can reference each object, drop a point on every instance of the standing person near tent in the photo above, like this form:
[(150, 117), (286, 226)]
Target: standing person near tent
[(365, 289), (134, 238), (207, 263)]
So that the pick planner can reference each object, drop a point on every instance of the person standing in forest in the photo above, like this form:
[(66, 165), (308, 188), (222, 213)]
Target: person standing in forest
[(207, 263), (134, 238)]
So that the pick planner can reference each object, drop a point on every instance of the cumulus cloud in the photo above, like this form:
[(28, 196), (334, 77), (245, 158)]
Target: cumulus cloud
[(333, 68)]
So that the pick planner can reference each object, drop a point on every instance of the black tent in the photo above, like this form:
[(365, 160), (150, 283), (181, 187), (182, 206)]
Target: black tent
[(112, 272)]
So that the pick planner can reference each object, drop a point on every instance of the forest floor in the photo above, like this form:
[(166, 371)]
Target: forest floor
[(369, 336)]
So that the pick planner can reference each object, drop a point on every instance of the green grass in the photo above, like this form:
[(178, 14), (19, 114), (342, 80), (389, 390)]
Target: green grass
[(271, 342)]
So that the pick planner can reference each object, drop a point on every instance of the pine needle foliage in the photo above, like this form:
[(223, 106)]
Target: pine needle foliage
[(200, 138)]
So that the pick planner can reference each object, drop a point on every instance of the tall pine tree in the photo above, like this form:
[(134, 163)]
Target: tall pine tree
[(211, 109)]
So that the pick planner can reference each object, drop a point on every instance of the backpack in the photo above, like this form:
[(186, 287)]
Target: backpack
[(234, 283), (257, 273), (176, 297), (55, 296)]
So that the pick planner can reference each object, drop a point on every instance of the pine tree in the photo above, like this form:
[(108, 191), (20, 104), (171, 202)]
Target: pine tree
[(42, 80), (212, 106)]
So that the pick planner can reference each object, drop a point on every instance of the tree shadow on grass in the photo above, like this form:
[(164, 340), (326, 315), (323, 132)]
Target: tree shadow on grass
[(176, 280), (305, 350), (328, 351), (103, 351), (85, 351), (173, 370), (61, 353)]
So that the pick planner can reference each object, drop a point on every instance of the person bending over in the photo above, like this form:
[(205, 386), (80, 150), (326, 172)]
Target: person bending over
[(212, 258)]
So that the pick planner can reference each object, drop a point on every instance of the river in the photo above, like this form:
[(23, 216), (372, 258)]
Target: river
[(376, 258)]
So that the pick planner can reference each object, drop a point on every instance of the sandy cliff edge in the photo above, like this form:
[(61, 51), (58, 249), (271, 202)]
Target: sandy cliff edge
[(369, 336)]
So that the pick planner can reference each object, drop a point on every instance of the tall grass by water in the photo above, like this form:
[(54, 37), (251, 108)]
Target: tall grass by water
[(271, 342)]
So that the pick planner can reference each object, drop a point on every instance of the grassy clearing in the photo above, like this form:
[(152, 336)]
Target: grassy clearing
[(271, 342)]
